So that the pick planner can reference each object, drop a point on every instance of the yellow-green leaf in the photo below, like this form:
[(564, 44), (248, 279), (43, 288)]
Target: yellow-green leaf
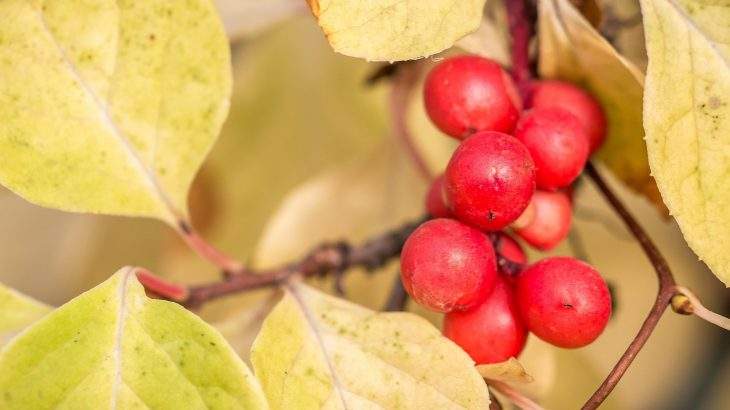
[(571, 49), (392, 30), (687, 120), (112, 347), (109, 106), (317, 351), (17, 311)]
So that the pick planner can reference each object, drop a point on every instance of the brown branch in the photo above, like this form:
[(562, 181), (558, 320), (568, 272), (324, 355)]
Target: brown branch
[(667, 289), (325, 259)]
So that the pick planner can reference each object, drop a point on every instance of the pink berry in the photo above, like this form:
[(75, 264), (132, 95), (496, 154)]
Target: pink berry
[(551, 224), (564, 301), (435, 204), (510, 249), (574, 99), (447, 266), (489, 180), (467, 94), (557, 143), (493, 331)]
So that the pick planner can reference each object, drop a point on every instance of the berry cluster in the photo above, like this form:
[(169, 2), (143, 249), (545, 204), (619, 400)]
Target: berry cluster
[(513, 169)]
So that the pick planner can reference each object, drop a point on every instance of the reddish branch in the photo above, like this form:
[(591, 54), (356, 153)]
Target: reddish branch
[(405, 79), (520, 29), (667, 289), (327, 258)]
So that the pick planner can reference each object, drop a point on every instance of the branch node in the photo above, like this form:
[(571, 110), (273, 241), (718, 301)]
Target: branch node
[(682, 305)]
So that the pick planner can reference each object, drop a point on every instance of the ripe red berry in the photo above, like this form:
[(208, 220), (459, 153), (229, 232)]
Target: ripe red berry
[(551, 224), (510, 249), (493, 331), (575, 100), (435, 204), (447, 265), (557, 143), (467, 94), (489, 180), (564, 301)]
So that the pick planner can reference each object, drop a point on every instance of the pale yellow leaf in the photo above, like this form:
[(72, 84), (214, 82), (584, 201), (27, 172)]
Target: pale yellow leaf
[(510, 371), (110, 107), (392, 30), (572, 50), (317, 351), (687, 120), (350, 202)]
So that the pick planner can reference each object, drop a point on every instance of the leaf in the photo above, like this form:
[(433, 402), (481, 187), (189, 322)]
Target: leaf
[(317, 351), (687, 119), (112, 347), (17, 311), (245, 18), (110, 107), (510, 371), (393, 30), (492, 38), (572, 50)]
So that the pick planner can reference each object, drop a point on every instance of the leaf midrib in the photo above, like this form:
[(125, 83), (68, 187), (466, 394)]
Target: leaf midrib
[(147, 175)]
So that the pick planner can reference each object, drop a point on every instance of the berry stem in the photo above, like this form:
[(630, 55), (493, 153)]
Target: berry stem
[(667, 289)]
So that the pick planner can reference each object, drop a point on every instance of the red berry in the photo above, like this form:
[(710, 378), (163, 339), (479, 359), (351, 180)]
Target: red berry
[(564, 301), (493, 331), (551, 223), (446, 265), (489, 180), (510, 249), (574, 99), (467, 94), (557, 143), (435, 204)]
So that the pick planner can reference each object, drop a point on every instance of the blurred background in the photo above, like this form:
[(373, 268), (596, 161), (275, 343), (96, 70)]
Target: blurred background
[(308, 153)]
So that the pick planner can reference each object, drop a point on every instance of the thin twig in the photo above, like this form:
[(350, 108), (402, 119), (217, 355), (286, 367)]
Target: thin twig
[(515, 396), (667, 289), (325, 259), (520, 29), (404, 83)]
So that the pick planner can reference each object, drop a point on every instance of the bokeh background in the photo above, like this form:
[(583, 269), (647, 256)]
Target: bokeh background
[(308, 154)]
